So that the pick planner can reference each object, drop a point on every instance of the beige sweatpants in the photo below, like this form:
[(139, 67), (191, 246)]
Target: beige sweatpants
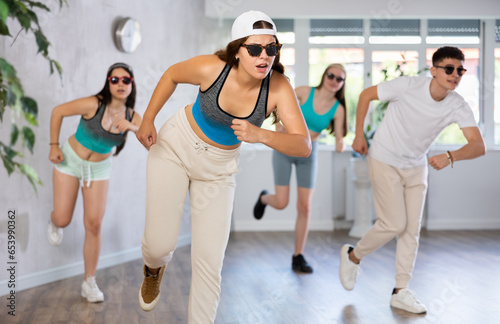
[(398, 197), (178, 162)]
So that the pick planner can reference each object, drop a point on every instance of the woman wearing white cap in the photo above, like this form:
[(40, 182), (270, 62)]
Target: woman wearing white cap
[(198, 150)]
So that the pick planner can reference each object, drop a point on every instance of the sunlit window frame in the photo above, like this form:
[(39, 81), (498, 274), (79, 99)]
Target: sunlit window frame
[(485, 44)]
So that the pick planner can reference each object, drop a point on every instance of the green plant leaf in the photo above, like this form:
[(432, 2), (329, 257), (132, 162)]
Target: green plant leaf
[(7, 157), (21, 6), (42, 42), (30, 119), (29, 138), (13, 94), (33, 17), (38, 5), (10, 153), (4, 30), (8, 164), (29, 105), (3, 103), (4, 11), (24, 20), (31, 174), (5, 68), (58, 67), (14, 134), (11, 90)]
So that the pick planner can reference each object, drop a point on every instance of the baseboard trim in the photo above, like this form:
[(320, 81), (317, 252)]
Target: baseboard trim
[(74, 269), (441, 225), (280, 226)]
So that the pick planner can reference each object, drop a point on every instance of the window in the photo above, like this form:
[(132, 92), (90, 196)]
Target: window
[(285, 27), (452, 31), (395, 31), (286, 36), (497, 93), (374, 50), (336, 31)]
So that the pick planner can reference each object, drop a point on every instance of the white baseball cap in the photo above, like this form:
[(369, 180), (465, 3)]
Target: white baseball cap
[(243, 25)]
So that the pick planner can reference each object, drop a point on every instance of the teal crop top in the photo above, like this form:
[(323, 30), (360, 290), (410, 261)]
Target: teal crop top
[(92, 136), (316, 122)]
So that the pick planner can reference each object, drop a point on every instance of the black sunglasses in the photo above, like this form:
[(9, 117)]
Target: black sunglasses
[(255, 49), (450, 68), (115, 80), (332, 76)]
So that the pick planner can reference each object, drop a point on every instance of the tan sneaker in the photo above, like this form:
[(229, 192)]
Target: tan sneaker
[(149, 294)]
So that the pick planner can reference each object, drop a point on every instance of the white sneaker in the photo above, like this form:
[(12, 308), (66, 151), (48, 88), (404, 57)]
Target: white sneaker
[(348, 269), (405, 299), (91, 291), (54, 234)]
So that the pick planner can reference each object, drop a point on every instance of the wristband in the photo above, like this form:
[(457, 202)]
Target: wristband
[(55, 143)]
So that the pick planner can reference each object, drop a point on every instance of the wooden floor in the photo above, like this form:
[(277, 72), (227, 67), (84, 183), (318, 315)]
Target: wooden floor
[(457, 276)]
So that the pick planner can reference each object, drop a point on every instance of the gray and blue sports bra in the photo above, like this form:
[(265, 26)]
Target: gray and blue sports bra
[(215, 122), (92, 136)]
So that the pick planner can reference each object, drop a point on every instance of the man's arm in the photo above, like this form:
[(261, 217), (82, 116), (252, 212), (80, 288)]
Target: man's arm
[(359, 144), (474, 148)]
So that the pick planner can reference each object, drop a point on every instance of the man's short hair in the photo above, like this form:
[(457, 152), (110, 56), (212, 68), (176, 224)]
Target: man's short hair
[(447, 52)]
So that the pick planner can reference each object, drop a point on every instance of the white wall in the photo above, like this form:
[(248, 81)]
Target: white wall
[(467, 196), (256, 174), (81, 40)]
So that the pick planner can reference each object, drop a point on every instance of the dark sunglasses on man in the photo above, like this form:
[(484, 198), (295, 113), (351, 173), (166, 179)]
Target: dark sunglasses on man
[(255, 49), (332, 76), (448, 69), (115, 80)]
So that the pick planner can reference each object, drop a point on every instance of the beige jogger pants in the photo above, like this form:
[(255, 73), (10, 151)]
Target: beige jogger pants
[(178, 162), (398, 197)]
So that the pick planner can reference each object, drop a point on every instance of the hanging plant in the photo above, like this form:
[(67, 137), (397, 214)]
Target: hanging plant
[(23, 109)]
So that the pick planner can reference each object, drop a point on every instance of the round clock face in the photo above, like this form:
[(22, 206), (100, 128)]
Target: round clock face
[(128, 35)]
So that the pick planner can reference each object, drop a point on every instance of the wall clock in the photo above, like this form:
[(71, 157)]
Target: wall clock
[(127, 35)]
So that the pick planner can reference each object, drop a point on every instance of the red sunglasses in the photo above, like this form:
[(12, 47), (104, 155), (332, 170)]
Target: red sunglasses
[(115, 80)]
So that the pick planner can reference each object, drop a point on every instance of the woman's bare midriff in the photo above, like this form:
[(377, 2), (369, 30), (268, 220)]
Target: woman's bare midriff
[(84, 153), (314, 135), (197, 130)]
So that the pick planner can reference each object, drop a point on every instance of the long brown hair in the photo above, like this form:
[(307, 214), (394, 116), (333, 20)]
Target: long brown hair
[(104, 95), (228, 55), (340, 95)]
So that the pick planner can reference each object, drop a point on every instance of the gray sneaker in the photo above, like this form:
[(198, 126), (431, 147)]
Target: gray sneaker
[(348, 269), (405, 299)]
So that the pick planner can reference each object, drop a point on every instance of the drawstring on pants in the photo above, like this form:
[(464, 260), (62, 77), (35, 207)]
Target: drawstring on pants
[(201, 147)]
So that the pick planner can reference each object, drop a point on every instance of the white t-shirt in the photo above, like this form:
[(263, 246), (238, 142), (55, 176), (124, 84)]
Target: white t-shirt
[(413, 120)]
